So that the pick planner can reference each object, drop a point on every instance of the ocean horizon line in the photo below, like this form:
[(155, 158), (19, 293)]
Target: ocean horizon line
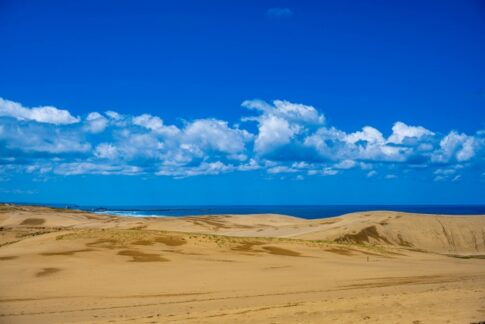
[(303, 211)]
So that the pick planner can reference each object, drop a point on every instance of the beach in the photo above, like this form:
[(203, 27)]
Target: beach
[(68, 266)]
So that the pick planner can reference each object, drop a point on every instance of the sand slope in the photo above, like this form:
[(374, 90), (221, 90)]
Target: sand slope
[(441, 234), (63, 266)]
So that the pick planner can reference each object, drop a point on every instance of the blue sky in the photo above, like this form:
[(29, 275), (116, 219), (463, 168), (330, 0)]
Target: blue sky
[(249, 102)]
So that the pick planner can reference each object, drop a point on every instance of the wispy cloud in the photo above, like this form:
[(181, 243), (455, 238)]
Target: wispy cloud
[(279, 12), (291, 138)]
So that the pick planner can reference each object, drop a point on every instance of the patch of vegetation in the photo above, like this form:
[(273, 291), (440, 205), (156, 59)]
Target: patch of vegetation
[(247, 246), (341, 251), (33, 221), (8, 243), (280, 251), (470, 256), (47, 271), (403, 242), (123, 238), (28, 234), (142, 242), (363, 236), (142, 257), (71, 252), (171, 240)]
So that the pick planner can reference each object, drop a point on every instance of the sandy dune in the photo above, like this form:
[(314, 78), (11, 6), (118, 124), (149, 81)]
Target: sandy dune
[(64, 266)]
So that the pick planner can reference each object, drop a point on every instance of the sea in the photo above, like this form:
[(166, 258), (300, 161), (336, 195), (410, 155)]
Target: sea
[(303, 211)]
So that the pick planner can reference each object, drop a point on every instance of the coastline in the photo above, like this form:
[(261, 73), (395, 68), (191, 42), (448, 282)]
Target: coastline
[(301, 211)]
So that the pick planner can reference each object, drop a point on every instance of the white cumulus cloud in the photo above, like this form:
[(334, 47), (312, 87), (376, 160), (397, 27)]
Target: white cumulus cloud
[(288, 138), (43, 114), (401, 131), (95, 122), (455, 146), (281, 122)]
